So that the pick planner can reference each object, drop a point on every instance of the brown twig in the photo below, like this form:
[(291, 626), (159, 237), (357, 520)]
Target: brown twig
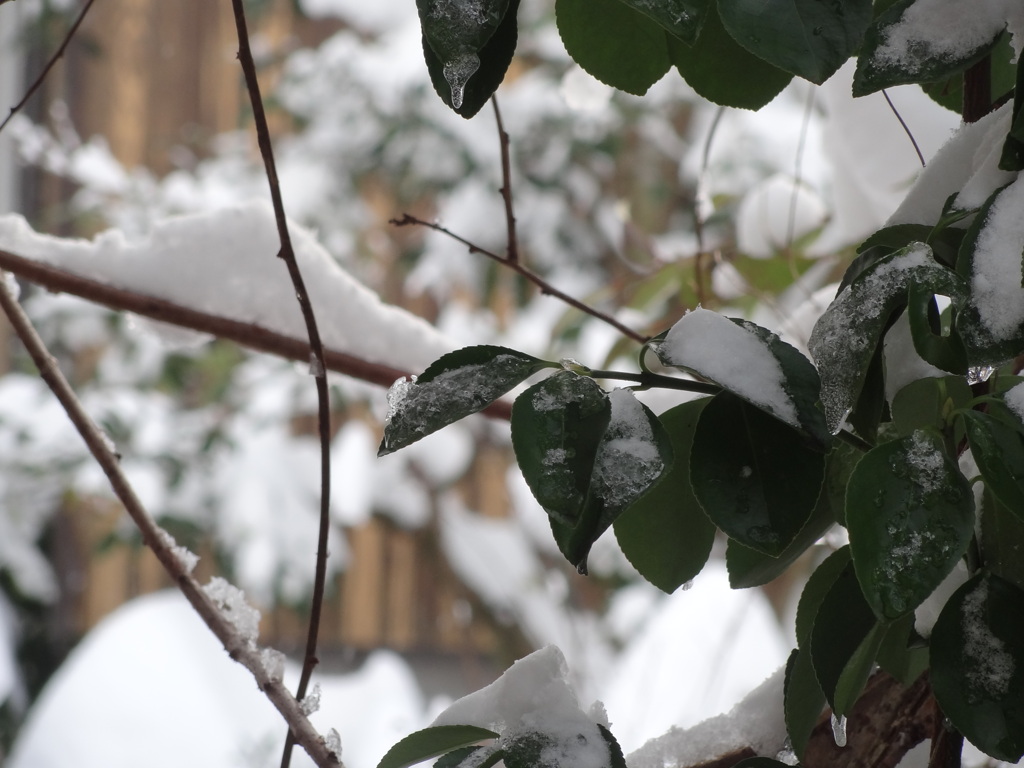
[(249, 335), (512, 239), (238, 647), (545, 287), (248, 64), (49, 65)]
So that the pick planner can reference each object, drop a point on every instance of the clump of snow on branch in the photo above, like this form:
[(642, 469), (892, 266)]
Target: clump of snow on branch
[(231, 602)]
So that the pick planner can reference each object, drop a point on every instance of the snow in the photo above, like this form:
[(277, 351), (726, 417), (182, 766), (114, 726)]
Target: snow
[(224, 263), (731, 356), (990, 666), (627, 459), (757, 721), (231, 602), (1014, 398), (839, 730), (903, 365), (534, 696), (996, 265), (173, 695), (776, 213), (188, 560), (923, 32)]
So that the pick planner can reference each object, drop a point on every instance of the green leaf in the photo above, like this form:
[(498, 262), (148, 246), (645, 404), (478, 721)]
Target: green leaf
[(1012, 158), (774, 376), (453, 387), (749, 568), (814, 592), (809, 38), (466, 95), (613, 42), (724, 72), (431, 742), (928, 403), (990, 323), (977, 664), (847, 336), (910, 514), (753, 475), (897, 656), (803, 700), (618, 760), (998, 449), (682, 18), (665, 534), (944, 352), (844, 640), (841, 461), (1002, 540), (586, 456)]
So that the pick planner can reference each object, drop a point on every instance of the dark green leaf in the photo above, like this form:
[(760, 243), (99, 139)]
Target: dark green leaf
[(753, 475), (847, 336), (431, 742), (1002, 540), (749, 568), (844, 640), (682, 18), (928, 403), (775, 377), (814, 592), (991, 330), (977, 664), (841, 461), (724, 72), (494, 59), (998, 449), (943, 351), (618, 760), (809, 38), (871, 407), (881, 65), (524, 749), (910, 514), (453, 387), (803, 700), (613, 42), (1012, 158), (897, 656), (665, 534)]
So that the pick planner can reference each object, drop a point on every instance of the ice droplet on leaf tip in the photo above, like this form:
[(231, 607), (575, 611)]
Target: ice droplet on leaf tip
[(839, 730), (457, 72)]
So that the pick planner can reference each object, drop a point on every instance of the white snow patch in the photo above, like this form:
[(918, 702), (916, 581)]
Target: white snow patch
[(1014, 399), (990, 666), (231, 602), (720, 350), (775, 213)]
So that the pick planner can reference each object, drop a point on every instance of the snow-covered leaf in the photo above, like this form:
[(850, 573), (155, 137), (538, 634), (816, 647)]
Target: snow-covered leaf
[(665, 534), (977, 664), (911, 42), (453, 387), (992, 322), (431, 742), (847, 336), (586, 455), (809, 38), (910, 514), (754, 476), (752, 363)]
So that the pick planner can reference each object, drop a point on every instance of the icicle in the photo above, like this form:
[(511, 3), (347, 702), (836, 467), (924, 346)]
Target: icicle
[(979, 373), (457, 72), (839, 730)]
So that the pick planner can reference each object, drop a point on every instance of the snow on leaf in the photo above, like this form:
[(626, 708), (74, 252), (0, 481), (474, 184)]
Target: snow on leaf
[(847, 334)]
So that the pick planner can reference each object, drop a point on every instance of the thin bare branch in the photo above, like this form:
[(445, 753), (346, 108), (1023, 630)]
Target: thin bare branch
[(699, 268), (248, 64), (545, 287), (238, 647), (49, 65), (512, 239), (906, 128)]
